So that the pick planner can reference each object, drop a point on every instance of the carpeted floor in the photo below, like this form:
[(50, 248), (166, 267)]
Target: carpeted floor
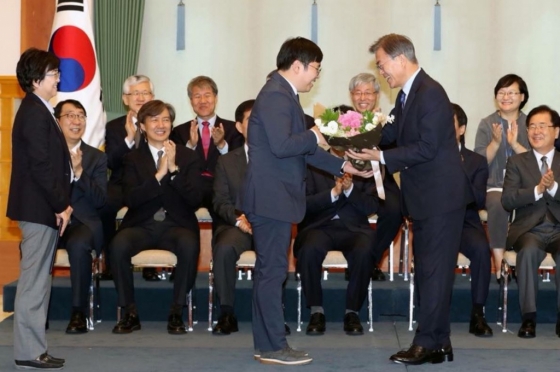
[(152, 349)]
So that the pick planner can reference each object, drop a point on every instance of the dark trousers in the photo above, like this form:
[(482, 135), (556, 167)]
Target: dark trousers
[(389, 218), (165, 235), (108, 214), (78, 242), (531, 249), (436, 246), (474, 245), (207, 195), (334, 236), (229, 244), (272, 241)]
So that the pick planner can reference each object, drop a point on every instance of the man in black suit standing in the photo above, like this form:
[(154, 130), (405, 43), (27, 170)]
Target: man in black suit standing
[(434, 189), (208, 135), (273, 195), (161, 188), (336, 218), (121, 136), (531, 190), (89, 191), (474, 243), (39, 200), (233, 234)]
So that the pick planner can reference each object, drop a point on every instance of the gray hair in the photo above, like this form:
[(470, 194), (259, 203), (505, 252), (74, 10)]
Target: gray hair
[(395, 45), (363, 78), (202, 81), (134, 80)]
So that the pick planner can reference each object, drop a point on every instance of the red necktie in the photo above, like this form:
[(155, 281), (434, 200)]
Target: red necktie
[(205, 137)]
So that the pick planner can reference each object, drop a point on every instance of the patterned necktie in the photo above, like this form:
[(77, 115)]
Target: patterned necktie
[(205, 138), (159, 155), (544, 166), (403, 99)]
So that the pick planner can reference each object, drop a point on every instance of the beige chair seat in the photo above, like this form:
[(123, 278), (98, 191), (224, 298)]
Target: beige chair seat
[(483, 214), (202, 215), (547, 264), (154, 258), (462, 261), (247, 259)]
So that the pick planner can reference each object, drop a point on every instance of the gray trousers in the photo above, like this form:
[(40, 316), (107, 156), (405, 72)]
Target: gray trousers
[(531, 249), (33, 290)]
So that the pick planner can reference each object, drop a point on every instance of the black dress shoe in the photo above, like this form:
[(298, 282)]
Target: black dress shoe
[(45, 362), (316, 325), (527, 329), (227, 323), (352, 325), (479, 327), (418, 355), (287, 330), (558, 328), (377, 275), (55, 360), (175, 325), (150, 274), (447, 353), (78, 323), (107, 275), (127, 324)]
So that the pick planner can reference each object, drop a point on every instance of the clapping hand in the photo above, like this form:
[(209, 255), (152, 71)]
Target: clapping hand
[(170, 151), (218, 135), (76, 158), (193, 137), (547, 182), (497, 133), (129, 126)]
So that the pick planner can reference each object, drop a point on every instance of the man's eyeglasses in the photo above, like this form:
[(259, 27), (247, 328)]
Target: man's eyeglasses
[(534, 127), (380, 65), (507, 94), (56, 74), (138, 94), (319, 69), (80, 117), (358, 95)]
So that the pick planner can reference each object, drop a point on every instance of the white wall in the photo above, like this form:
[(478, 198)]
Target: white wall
[(10, 15), (236, 42)]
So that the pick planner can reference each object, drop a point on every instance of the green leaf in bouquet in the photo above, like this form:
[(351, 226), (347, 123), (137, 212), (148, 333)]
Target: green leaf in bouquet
[(329, 115)]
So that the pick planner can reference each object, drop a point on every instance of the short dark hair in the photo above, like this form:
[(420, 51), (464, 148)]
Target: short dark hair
[(242, 109), (395, 45), (33, 65), (509, 79), (298, 49), (461, 119), (154, 108), (76, 104), (202, 81), (342, 109), (554, 117)]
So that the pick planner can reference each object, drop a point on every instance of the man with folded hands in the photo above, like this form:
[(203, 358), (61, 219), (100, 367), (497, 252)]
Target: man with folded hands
[(336, 218), (161, 188)]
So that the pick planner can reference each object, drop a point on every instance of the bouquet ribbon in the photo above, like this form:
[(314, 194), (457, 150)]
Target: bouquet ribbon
[(378, 179)]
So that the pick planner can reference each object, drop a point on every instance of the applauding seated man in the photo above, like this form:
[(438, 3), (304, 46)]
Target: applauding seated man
[(364, 92), (474, 243), (336, 219), (161, 188), (233, 234), (89, 192), (531, 190)]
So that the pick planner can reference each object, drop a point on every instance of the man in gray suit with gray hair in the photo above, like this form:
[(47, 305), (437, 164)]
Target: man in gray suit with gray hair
[(531, 190)]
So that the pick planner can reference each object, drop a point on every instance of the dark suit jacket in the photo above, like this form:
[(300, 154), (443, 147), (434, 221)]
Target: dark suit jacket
[(352, 210), (144, 195), (228, 180), (522, 175), (476, 167), (433, 181), (89, 193), (181, 135), (40, 180), (280, 147), (116, 148)]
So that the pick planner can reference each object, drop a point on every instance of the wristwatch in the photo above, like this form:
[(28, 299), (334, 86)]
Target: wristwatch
[(176, 172)]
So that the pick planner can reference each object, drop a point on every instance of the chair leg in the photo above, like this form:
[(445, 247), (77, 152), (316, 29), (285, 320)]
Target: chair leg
[(504, 277), (298, 277), (190, 310), (210, 297), (406, 250), (391, 258), (90, 318), (411, 302), (370, 304)]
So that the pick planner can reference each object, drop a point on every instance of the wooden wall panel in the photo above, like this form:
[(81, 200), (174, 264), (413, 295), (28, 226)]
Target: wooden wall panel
[(36, 23)]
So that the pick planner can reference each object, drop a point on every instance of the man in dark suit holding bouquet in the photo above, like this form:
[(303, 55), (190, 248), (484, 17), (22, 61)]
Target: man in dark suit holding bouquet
[(273, 195), (427, 156)]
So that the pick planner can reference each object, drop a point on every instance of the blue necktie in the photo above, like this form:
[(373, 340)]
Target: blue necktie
[(403, 99)]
